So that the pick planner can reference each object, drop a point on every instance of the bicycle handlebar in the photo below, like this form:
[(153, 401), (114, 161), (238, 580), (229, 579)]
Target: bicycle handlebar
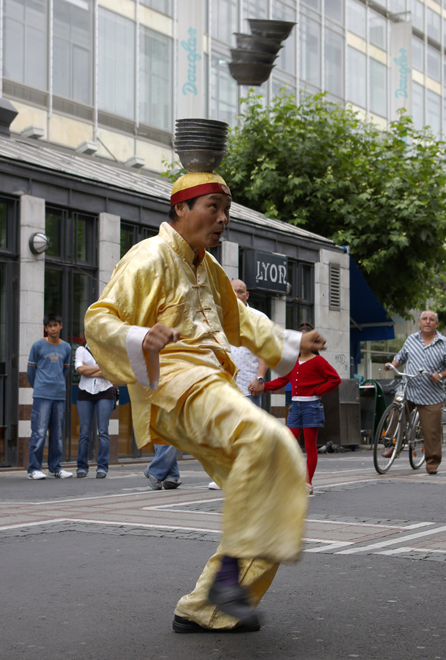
[(421, 372)]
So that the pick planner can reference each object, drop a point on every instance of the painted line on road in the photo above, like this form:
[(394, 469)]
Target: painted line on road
[(32, 524), (108, 522), (396, 551), (358, 524), (383, 544)]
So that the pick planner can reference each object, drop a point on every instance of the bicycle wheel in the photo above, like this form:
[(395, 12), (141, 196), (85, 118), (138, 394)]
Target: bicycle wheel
[(387, 439), (416, 444)]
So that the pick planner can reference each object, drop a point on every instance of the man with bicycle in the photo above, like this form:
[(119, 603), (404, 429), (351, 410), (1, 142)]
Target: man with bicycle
[(426, 350)]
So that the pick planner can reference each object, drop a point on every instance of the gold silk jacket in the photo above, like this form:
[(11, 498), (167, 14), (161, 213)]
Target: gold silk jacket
[(157, 282)]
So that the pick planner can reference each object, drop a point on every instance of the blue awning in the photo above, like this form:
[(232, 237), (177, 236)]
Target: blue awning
[(369, 320)]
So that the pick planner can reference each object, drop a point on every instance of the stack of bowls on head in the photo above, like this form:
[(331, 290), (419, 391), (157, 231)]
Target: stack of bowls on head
[(253, 59), (200, 143)]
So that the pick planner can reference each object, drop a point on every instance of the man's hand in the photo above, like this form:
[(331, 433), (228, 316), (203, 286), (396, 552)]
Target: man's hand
[(255, 388), (312, 341), (158, 337)]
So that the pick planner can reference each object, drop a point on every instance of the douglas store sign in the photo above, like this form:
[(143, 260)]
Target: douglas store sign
[(265, 271)]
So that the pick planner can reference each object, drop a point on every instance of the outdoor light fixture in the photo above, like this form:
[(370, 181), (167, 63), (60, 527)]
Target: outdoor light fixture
[(135, 161), (39, 243), (33, 132), (87, 147)]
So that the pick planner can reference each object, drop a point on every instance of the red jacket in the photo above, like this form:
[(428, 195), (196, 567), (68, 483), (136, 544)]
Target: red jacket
[(312, 377)]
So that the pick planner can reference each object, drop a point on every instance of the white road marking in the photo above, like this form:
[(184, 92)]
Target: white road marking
[(383, 544)]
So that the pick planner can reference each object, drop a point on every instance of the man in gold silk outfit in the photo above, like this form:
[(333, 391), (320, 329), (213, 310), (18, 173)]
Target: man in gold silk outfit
[(163, 326)]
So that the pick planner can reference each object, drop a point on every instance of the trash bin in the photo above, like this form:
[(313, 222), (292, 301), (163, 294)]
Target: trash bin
[(389, 388), (342, 415), (373, 404)]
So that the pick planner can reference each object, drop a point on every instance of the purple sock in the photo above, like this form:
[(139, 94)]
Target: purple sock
[(228, 573)]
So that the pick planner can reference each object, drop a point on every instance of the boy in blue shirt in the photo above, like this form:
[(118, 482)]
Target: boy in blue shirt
[(48, 364)]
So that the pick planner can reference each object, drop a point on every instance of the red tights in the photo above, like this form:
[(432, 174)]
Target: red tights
[(310, 440)]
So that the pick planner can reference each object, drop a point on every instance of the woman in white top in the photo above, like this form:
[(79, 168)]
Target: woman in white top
[(95, 393)]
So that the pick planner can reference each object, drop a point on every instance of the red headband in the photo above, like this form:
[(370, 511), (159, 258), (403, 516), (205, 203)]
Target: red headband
[(199, 191)]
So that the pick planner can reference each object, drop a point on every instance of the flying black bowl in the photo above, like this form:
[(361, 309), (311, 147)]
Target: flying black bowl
[(250, 73), (252, 42), (182, 133), (201, 144), (243, 55), (203, 122), (271, 29), (201, 160)]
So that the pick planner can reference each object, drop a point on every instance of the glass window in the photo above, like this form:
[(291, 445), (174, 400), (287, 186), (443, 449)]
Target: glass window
[(25, 42), (3, 226), (224, 20), (433, 111), (357, 77), (378, 88), (417, 9), (163, 6), (155, 79), (314, 4), (418, 105), (254, 9), (357, 18), (444, 116), (418, 54), (116, 64), (433, 63), (223, 91), (433, 21), (72, 46), (53, 229), (377, 30), (278, 85), (310, 51), (335, 10), (334, 63), (287, 55)]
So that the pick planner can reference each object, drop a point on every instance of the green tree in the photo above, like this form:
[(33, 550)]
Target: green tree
[(383, 193)]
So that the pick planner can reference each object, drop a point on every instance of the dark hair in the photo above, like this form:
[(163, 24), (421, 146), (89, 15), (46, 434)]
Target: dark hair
[(305, 327), (172, 215), (50, 316)]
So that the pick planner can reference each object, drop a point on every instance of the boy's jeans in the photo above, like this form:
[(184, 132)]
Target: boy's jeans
[(104, 408), (46, 415)]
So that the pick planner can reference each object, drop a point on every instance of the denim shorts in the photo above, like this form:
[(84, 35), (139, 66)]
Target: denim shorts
[(306, 415)]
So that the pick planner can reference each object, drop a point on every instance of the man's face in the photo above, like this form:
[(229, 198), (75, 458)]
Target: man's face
[(240, 291), (203, 226), (428, 324), (53, 330)]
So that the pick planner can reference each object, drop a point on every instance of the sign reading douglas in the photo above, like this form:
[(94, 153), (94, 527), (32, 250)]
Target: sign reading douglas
[(265, 271), (190, 70), (401, 68)]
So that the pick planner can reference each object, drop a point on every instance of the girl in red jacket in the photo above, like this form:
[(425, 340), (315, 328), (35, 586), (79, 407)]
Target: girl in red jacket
[(310, 377)]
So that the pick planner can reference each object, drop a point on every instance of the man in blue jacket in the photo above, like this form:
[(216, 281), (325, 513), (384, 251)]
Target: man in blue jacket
[(48, 364)]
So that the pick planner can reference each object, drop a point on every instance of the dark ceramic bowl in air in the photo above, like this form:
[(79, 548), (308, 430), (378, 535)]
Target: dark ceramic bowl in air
[(251, 42), (250, 74), (271, 29), (242, 55)]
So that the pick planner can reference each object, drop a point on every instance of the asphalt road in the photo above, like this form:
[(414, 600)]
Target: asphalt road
[(108, 592)]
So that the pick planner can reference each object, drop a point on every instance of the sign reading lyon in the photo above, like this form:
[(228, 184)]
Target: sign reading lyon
[(265, 271)]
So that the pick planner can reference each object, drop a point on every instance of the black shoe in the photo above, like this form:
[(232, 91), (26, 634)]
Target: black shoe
[(182, 625), (80, 475), (170, 484), (232, 600), (101, 475), (432, 471)]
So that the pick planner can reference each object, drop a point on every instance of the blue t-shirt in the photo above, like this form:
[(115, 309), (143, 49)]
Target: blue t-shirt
[(47, 366)]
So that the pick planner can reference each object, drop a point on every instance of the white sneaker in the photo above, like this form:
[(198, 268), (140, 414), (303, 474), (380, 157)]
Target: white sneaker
[(310, 489), (37, 474), (214, 486), (61, 474)]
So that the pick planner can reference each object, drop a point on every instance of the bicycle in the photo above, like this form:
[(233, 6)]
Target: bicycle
[(399, 427)]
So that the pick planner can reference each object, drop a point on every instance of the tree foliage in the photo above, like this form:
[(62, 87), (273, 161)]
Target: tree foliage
[(319, 165)]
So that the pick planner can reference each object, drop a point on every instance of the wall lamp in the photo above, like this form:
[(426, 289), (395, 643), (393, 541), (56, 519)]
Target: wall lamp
[(39, 243)]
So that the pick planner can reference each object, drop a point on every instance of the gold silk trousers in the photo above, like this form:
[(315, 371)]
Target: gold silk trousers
[(259, 465)]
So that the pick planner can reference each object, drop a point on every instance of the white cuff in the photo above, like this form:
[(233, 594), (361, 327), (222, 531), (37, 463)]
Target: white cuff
[(291, 349), (134, 341)]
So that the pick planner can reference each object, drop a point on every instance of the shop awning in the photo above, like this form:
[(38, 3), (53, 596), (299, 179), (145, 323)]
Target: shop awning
[(369, 320)]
